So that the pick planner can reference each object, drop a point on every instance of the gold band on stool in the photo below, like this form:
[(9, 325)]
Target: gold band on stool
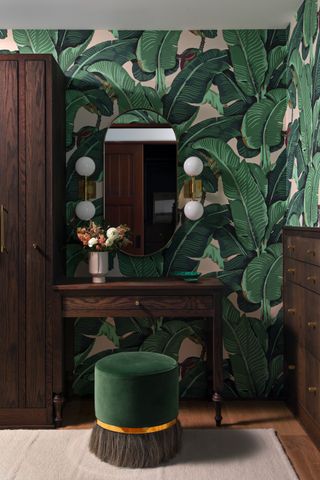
[(136, 431)]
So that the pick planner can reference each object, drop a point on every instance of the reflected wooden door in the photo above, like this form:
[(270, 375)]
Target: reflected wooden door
[(123, 195)]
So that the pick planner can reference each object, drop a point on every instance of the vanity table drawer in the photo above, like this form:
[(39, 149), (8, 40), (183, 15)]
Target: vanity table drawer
[(304, 274), (109, 305)]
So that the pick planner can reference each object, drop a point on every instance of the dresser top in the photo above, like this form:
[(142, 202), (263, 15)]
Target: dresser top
[(313, 230)]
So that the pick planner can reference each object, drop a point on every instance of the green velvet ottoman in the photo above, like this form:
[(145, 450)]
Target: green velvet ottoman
[(136, 406)]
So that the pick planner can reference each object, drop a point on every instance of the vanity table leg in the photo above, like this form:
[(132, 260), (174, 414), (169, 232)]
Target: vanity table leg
[(216, 398), (57, 360), (217, 351), (58, 401)]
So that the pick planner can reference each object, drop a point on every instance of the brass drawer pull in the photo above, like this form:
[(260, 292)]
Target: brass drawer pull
[(291, 248), (312, 278), (311, 252), (291, 310), (291, 270), (137, 303), (3, 247), (312, 324), (291, 367), (312, 389)]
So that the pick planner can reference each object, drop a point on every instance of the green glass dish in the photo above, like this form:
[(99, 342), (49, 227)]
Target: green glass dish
[(187, 276)]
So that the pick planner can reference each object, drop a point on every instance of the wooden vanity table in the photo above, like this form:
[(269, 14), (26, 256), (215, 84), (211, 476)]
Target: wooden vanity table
[(156, 297)]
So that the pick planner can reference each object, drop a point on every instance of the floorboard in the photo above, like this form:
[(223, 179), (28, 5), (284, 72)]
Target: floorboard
[(302, 452)]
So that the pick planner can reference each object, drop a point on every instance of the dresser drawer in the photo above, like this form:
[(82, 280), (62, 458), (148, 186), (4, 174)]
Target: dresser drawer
[(312, 386), (302, 248), (302, 318), (303, 380), (294, 313), (304, 274), (311, 323), (109, 305), (295, 373)]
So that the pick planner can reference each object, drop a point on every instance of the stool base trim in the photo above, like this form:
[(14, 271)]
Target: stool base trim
[(137, 431), (136, 451)]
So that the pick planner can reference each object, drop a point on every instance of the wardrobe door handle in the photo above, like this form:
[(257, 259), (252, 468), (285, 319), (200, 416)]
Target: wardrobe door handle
[(312, 389), (312, 278), (291, 367), (312, 324), (3, 247)]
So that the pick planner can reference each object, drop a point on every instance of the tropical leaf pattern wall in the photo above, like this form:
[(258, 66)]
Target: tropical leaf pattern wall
[(226, 94), (304, 94)]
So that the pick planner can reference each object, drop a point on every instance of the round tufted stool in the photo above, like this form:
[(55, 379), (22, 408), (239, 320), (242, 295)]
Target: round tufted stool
[(136, 406)]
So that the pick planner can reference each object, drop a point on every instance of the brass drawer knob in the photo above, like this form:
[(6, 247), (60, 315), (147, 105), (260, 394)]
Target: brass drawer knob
[(312, 324), (312, 389), (35, 246), (137, 303), (291, 310), (312, 278), (291, 270), (311, 252), (291, 367)]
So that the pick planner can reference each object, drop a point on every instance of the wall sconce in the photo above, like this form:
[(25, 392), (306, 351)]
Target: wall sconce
[(85, 167), (193, 209)]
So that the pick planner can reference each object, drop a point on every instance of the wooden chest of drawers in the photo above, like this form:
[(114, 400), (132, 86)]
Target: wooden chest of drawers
[(301, 295)]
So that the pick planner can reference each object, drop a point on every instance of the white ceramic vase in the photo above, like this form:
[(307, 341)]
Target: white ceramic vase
[(98, 266)]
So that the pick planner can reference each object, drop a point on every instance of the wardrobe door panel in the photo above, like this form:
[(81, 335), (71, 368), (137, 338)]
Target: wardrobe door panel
[(11, 238), (35, 105)]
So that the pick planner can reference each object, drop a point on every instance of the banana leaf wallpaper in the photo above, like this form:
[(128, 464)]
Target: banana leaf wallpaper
[(303, 129), (241, 100)]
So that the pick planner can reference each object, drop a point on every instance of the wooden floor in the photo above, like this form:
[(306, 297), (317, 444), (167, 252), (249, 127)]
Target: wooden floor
[(303, 454)]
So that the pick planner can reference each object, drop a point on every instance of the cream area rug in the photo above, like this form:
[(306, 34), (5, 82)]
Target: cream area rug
[(216, 454)]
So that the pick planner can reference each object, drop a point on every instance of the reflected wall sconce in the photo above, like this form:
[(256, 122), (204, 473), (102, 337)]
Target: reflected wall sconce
[(85, 209), (193, 209)]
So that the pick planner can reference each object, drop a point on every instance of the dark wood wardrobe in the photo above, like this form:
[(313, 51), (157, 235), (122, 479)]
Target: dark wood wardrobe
[(32, 205)]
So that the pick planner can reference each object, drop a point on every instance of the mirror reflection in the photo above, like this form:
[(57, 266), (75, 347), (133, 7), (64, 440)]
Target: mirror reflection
[(140, 178)]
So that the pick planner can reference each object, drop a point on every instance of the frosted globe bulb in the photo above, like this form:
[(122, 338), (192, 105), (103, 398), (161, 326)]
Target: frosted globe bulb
[(193, 166), (85, 166), (85, 210), (193, 210)]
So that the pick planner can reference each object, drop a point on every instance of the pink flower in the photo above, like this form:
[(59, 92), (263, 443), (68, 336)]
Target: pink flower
[(101, 239)]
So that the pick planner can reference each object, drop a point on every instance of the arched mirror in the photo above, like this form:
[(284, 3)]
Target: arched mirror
[(140, 179)]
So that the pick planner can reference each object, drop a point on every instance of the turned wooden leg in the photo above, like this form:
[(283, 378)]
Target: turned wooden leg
[(217, 399), (58, 401)]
